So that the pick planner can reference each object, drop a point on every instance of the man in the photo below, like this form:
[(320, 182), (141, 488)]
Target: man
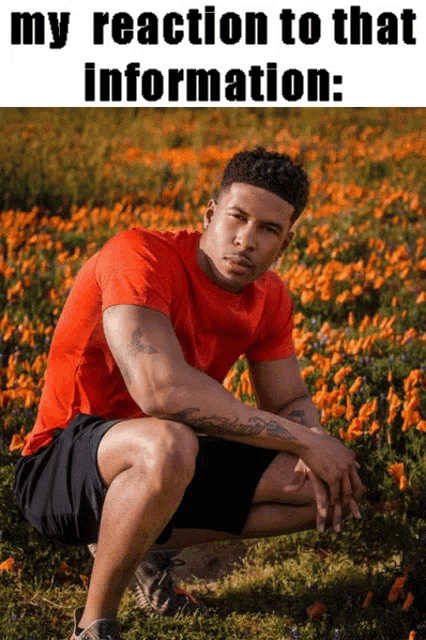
[(136, 441)]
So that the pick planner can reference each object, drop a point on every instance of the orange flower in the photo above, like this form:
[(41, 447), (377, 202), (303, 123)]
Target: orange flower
[(408, 601), (349, 409), (64, 568), (356, 385), (341, 373), (415, 377), (307, 296), (246, 386), (368, 599), (298, 318), (396, 588), (306, 371), (337, 410), (368, 408), (396, 470), (364, 324), (85, 580), (316, 610), (228, 381), (355, 429), (375, 426), (7, 565), (421, 426), (335, 358), (17, 443), (8, 333)]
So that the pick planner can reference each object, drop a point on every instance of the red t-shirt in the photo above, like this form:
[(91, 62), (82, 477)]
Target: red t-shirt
[(158, 270)]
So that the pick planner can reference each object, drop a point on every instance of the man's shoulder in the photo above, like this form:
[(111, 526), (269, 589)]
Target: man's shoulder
[(273, 285), (139, 238)]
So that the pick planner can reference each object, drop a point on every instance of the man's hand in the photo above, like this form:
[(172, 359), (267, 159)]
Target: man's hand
[(332, 469), (330, 466), (302, 473)]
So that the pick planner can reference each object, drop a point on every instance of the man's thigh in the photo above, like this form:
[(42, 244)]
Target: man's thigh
[(220, 495), (272, 487), (240, 490), (58, 488)]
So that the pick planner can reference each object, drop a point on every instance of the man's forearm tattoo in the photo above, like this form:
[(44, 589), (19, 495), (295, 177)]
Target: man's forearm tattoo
[(217, 425), (297, 415)]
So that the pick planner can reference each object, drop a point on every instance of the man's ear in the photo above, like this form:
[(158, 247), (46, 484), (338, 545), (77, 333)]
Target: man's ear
[(209, 212)]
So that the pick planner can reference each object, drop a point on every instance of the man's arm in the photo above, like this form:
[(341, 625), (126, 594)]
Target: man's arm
[(280, 389), (148, 353)]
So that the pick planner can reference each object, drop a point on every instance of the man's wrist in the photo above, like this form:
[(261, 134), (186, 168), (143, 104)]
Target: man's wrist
[(303, 411)]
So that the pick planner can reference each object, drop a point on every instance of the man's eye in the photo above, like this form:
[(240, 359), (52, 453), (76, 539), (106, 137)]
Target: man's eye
[(271, 230)]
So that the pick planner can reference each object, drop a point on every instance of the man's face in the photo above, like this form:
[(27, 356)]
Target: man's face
[(245, 232)]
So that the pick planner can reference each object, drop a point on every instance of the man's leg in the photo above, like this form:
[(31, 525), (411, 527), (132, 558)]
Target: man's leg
[(274, 510), (146, 464)]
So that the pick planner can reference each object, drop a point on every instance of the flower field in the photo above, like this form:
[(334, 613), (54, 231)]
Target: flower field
[(356, 270)]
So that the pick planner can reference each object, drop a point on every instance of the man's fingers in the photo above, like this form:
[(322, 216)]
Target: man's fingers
[(299, 477), (354, 509), (337, 517), (297, 482), (357, 486), (346, 491), (321, 499), (334, 492)]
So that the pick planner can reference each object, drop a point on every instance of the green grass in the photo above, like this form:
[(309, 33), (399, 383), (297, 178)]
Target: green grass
[(264, 598)]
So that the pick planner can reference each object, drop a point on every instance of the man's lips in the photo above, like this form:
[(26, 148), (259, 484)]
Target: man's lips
[(239, 261)]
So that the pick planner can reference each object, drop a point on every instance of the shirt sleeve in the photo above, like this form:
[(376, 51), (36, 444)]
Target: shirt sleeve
[(137, 267), (274, 337)]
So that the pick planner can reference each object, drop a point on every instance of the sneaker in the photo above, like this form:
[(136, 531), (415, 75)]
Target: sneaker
[(154, 590), (104, 629)]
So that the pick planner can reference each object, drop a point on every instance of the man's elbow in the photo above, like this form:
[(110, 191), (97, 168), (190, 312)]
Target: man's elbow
[(160, 399)]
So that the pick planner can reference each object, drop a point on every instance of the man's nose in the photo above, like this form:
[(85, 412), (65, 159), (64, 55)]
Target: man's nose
[(246, 237)]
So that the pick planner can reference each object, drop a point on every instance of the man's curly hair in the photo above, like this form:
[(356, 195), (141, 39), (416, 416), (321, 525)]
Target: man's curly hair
[(275, 172)]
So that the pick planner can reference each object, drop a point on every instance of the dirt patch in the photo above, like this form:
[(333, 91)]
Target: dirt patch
[(209, 561)]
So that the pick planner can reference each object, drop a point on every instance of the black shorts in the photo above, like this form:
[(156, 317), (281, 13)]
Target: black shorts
[(59, 489)]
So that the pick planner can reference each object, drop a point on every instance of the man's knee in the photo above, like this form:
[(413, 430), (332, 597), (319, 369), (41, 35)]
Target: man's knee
[(173, 457), (166, 457), (161, 452)]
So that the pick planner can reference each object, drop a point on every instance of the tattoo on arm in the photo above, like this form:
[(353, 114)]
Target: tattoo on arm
[(135, 346), (297, 415), (217, 425)]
